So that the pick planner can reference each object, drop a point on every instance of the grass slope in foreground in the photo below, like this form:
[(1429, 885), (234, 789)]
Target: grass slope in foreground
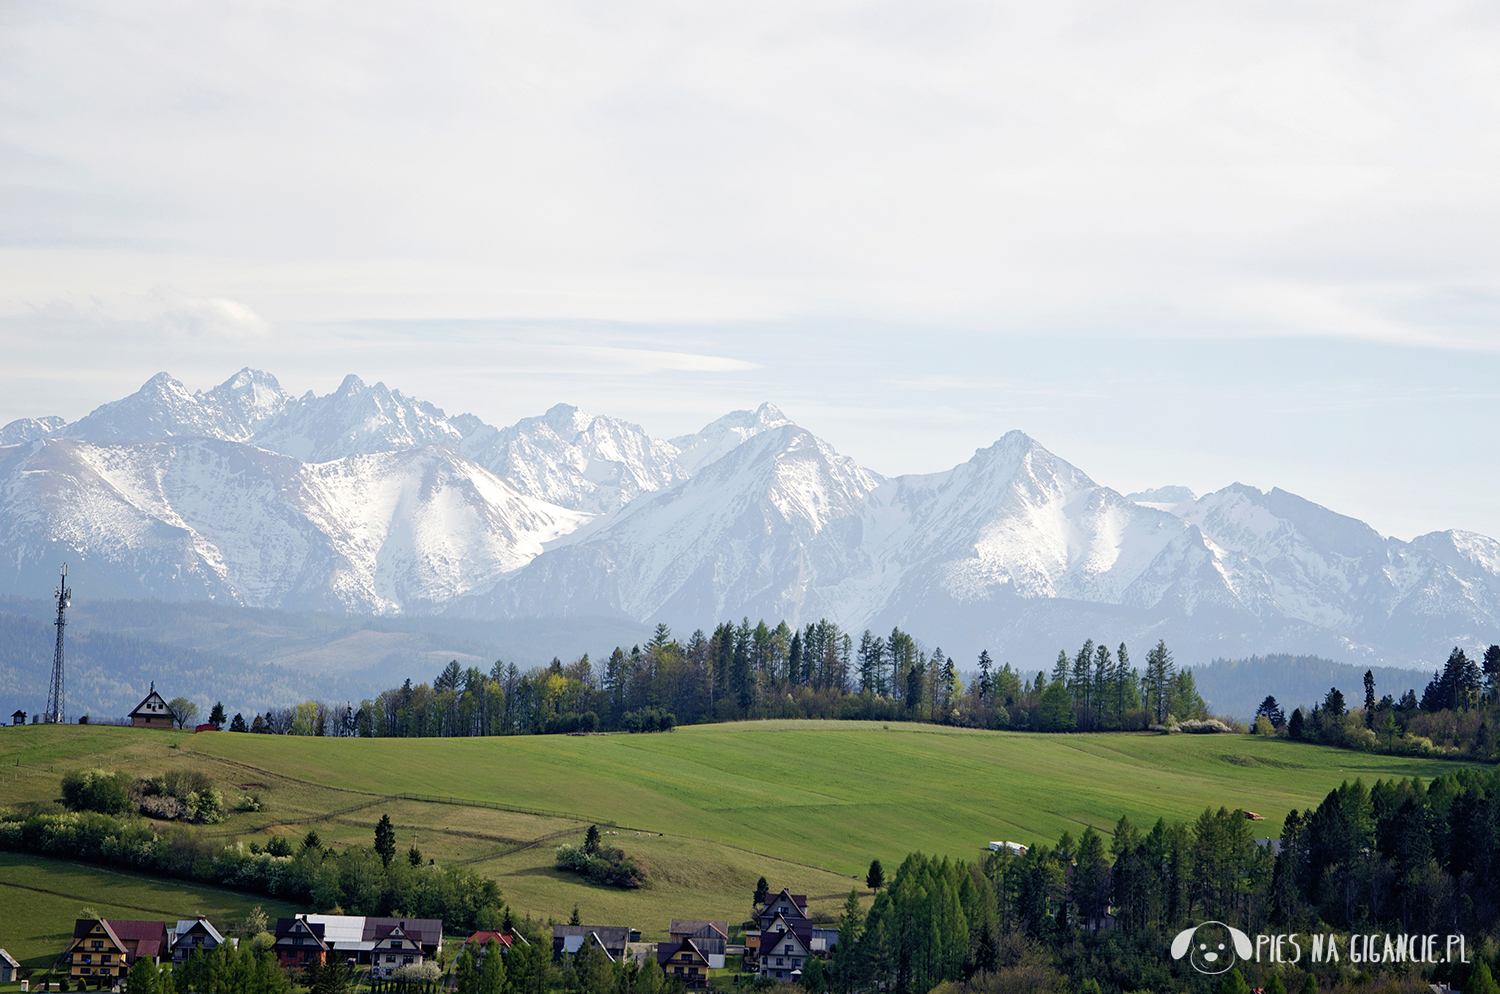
[(831, 794), (41, 898)]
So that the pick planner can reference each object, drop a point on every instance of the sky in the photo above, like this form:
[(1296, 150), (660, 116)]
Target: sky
[(1176, 243)]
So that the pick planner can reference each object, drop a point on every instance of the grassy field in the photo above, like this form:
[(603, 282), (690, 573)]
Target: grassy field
[(40, 898), (711, 808)]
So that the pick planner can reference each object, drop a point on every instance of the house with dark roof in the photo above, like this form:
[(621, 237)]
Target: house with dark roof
[(711, 937), (18, 718), (684, 961), (786, 904), (152, 712), (193, 936), (783, 950), (104, 950), (299, 943), (567, 940), (393, 949)]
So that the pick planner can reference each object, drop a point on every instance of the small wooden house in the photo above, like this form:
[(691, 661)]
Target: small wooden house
[(8, 968), (152, 712), (18, 718)]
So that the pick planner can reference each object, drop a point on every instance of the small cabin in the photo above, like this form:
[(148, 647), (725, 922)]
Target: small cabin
[(152, 712), (18, 718)]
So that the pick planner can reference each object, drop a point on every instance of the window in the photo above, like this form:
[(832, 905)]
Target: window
[(796, 962), (104, 958), (87, 969), (788, 949), (97, 944), (778, 962), (406, 959), (395, 943), (87, 958)]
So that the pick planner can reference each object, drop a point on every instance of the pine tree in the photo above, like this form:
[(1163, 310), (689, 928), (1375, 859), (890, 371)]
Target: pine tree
[(591, 840), (491, 970), (238, 724), (414, 855), (875, 879), (762, 891), (574, 918), (385, 840), (216, 715), (1160, 674), (1369, 699), (986, 685)]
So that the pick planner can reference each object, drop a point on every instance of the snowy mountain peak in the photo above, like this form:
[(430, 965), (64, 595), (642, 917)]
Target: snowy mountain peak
[(1163, 495), (354, 419), (24, 430), (721, 436)]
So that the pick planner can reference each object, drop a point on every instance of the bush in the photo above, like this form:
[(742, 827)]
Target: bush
[(608, 867), (96, 790), (181, 794), (648, 720)]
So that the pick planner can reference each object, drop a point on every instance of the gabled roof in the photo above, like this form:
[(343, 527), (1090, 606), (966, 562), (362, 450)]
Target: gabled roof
[(799, 901), (151, 706), (699, 929), (7, 957), (300, 926), (665, 951), (800, 927), (615, 935), (84, 927), (187, 925), (481, 938), (803, 939), (427, 931), (149, 937)]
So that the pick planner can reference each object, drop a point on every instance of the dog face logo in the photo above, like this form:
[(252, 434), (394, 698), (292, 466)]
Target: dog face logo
[(1213, 947)]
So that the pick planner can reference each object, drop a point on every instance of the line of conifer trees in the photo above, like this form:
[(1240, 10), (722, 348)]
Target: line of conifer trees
[(760, 671), (1398, 857)]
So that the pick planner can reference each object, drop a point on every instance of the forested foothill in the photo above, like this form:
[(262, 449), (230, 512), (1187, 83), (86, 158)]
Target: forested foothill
[(1097, 913), (744, 672), (1457, 714)]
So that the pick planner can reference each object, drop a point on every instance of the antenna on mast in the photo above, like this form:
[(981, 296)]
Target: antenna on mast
[(54, 713)]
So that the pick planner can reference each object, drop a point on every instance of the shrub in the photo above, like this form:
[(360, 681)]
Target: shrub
[(608, 867), (96, 790)]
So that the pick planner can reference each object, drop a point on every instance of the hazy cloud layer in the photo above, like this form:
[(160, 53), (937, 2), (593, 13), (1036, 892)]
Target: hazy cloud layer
[(1178, 243)]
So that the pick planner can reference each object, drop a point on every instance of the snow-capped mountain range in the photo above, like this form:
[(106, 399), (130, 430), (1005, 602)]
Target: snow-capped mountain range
[(371, 502)]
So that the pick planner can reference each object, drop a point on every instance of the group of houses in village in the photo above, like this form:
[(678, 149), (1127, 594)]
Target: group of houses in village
[(777, 945)]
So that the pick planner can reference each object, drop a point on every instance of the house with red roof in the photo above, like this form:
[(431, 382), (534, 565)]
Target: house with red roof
[(104, 950)]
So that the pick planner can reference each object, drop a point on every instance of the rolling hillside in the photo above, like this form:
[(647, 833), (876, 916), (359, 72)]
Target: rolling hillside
[(711, 808)]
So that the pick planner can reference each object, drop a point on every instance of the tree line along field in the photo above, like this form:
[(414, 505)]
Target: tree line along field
[(710, 808)]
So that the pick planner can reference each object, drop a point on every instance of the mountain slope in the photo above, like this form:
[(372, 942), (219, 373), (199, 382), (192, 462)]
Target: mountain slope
[(576, 460), (207, 518), (758, 531)]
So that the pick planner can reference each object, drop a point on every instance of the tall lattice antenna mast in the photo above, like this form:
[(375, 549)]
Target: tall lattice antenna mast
[(55, 695)]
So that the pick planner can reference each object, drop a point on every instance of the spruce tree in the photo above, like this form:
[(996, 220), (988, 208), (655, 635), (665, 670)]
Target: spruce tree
[(591, 840), (385, 840), (1369, 699), (875, 879), (762, 891), (414, 855), (216, 715), (1481, 980)]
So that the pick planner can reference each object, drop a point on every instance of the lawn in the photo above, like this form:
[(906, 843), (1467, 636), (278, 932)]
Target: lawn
[(40, 899), (710, 808)]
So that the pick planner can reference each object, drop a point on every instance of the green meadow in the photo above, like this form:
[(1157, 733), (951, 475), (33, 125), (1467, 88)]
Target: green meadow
[(41, 898), (710, 808)]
